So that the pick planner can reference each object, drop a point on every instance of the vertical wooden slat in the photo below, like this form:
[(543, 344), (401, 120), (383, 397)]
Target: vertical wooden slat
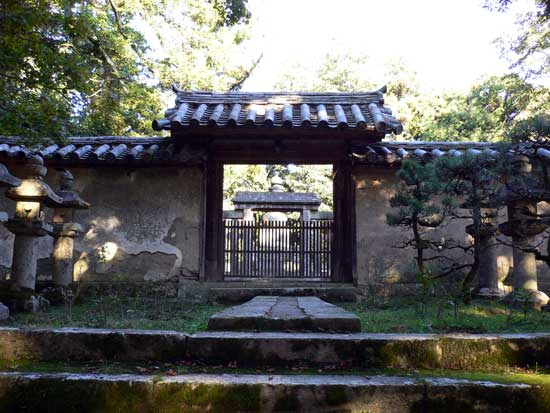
[(242, 231), (313, 255), (268, 248), (244, 242), (313, 249), (251, 247), (328, 248), (227, 261), (262, 249), (277, 246), (246, 249), (293, 257), (236, 271), (251, 234), (286, 247), (307, 246)]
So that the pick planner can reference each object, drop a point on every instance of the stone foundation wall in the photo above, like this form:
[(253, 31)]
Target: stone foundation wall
[(144, 224), (382, 266)]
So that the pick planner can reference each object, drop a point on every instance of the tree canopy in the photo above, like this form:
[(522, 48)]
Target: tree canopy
[(486, 113), (86, 67), (528, 47)]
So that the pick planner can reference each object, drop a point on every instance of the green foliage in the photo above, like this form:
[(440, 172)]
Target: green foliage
[(243, 178), (528, 47), (417, 207), (533, 129), (308, 178), (297, 178), (543, 6), (86, 67), (195, 51), (337, 72), (485, 114), (414, 196), (231, 12)]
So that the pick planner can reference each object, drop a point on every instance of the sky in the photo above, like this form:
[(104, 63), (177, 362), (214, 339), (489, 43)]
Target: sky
[(449, 43)]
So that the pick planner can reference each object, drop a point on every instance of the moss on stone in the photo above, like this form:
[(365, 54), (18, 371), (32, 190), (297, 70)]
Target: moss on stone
[(337, 396), (288, 402), (207, 397), (453, 353)]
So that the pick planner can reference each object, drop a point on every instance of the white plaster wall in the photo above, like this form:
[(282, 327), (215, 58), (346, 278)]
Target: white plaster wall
[(378, 261), (144, 224)]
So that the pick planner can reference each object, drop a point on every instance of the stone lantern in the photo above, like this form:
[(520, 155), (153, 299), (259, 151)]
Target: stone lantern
[(65, 230), (523, 226), (28, 223)]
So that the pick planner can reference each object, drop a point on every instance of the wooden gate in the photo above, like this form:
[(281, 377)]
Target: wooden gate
[(282, 250)]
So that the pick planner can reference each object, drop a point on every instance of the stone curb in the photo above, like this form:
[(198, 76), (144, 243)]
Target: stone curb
[(483, 351), (88, 344), (41, 392), (371, 350)]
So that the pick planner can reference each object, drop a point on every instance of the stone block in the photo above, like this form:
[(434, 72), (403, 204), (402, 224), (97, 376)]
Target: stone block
[(272, 313), (65, 392)]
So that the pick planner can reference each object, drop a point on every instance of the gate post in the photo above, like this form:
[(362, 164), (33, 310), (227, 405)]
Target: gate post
[(214, 236), (344, 222)]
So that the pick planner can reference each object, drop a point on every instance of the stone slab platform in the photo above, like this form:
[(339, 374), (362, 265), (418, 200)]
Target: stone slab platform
[(268, 313), (64, 392), (237, 293), (422, 351)]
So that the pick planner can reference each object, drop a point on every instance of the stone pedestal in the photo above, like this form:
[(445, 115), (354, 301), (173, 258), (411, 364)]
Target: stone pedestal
[(63, 264), (523, 232), (525, 271), (25, 251), (65, 230), (488, 269), (24, 261), (523, 194), (488, 284)]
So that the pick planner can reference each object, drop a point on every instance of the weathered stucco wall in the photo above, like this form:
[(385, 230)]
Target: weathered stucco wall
[(144, 224), (378, 260)]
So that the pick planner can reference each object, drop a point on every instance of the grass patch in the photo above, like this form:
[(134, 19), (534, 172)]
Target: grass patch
[(397, 315), (438, 315), (124, 312)]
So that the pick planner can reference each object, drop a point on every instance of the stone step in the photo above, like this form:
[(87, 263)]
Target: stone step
[(229, 294), (447, 351), (64, 392), (274, 313)]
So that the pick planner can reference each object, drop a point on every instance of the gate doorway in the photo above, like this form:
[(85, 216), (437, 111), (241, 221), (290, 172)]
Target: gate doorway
[(278, 222), (279, 250)]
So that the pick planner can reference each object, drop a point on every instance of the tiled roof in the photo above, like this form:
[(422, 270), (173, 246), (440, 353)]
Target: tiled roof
[(120, 150), (392, 153), (322, 112), (305, 198), (105, 150)]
